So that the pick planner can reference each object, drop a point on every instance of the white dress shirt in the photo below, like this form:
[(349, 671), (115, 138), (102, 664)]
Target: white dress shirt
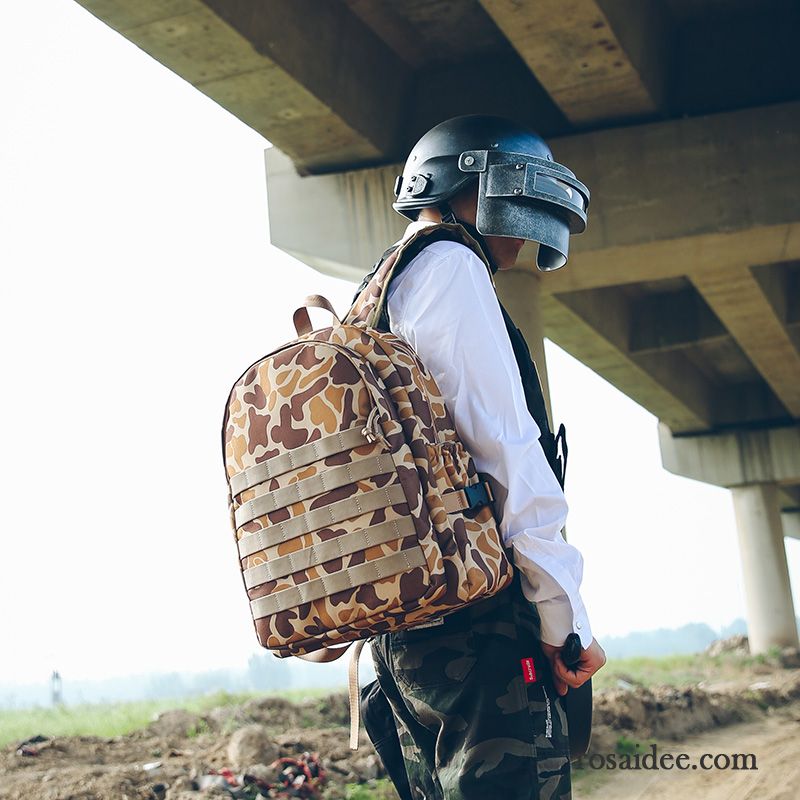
[(444, 305)]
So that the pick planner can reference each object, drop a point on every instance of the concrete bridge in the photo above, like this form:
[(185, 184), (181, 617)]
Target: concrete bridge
[(682, 116)]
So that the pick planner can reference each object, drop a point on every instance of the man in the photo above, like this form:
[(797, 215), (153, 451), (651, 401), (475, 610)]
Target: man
[(476, 699)]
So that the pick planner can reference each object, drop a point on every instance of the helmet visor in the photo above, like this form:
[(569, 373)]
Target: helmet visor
[(531, 198)]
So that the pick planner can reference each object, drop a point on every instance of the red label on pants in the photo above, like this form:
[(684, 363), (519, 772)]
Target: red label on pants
[(528, 670)]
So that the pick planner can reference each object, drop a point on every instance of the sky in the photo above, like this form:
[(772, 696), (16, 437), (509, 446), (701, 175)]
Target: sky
[(137, 283)]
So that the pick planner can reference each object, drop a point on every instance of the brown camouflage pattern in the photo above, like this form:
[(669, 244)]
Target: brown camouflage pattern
[(332, 380)]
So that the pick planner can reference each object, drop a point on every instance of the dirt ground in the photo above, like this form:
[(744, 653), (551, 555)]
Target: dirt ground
[(774, 740), (759, 713)]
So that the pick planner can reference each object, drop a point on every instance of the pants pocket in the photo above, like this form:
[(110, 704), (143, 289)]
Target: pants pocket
[(428, 658)]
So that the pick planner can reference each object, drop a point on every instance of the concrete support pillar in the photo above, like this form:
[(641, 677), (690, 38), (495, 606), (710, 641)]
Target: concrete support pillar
[(518, 290), (761, 467), (768, 594), (791, 522)]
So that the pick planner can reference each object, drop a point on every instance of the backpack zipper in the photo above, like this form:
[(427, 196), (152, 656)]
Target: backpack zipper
[(409, 352), (373, 430)]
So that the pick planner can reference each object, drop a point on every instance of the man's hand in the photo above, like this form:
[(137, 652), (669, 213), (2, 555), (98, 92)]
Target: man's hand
[(591, 659)]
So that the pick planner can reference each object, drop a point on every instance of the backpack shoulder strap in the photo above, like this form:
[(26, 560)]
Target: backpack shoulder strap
[(369, 304), (534, 399)]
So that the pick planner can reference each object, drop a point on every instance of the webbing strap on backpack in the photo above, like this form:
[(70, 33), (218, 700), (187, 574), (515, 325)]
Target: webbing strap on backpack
[(328, 654)]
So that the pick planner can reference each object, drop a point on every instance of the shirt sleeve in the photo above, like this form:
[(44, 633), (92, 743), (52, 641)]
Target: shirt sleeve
[(444, 305)]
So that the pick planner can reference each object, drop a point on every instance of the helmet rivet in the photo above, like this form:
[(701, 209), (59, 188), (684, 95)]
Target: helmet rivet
[(517, 190), (469, 161), (518, 166)]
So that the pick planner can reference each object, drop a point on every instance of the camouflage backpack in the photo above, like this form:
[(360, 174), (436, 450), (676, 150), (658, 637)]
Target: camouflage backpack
[(356, 509)]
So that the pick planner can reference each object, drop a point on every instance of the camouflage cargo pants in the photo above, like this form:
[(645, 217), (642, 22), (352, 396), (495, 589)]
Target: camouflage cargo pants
[(475, 707)]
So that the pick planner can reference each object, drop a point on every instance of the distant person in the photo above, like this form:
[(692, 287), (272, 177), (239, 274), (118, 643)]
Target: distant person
[(477, 700)]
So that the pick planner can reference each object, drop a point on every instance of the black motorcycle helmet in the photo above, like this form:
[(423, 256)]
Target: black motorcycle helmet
[(522, 192)]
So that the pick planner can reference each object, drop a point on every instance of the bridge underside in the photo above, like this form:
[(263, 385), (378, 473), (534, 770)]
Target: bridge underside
[(683, 118), (685, 290)]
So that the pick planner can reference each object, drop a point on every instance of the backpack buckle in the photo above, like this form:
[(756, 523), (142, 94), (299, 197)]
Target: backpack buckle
[(478, 495)]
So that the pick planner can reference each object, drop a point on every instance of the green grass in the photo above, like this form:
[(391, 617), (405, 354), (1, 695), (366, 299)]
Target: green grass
[(114, 719), (381, 789), (684, 670)]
